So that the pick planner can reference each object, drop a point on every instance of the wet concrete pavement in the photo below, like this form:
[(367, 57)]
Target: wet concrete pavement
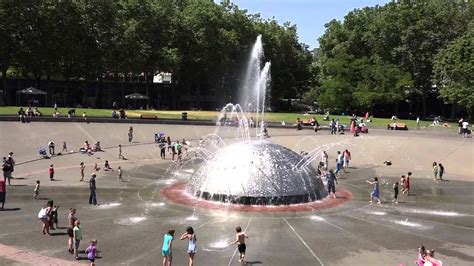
[(132, 216)]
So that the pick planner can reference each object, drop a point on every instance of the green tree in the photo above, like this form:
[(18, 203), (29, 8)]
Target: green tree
[(396, 38), (380, 83), (8, 46), (454, 71)]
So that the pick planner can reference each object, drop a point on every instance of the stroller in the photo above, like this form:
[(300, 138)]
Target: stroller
[(159, 136), (42, 153)]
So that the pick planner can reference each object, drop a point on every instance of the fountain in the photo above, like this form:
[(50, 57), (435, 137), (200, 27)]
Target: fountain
[(251, 170)]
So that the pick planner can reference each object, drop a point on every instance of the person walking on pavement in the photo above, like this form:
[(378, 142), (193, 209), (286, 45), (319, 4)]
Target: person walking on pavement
[(130, 134), (92, 188), (11, 162), (51, 147), (64, 150), (7, 173), (120, 155)]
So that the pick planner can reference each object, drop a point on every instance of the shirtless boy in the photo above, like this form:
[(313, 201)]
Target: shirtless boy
[(240, 239)]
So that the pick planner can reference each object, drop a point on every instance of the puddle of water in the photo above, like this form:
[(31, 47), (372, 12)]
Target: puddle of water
[(407, 223), (316, 218), (438, 213), (130, 220), (377, 213), (192, 218), (109, 205), (157, 204), (219, 244)]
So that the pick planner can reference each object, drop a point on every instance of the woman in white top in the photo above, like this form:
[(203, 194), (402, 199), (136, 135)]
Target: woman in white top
[(44, 214), (465, 128), (191, 236)]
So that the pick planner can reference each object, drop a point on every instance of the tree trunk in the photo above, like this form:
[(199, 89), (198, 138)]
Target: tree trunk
[(441, 106), (116, 87), (453, 111), (38, 81), (396, 107), (51, 94), (147, 90), (423, 103), (4, 86), (173, 95)]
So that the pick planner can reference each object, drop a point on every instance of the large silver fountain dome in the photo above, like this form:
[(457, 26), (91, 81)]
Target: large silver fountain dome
[(256, 172)]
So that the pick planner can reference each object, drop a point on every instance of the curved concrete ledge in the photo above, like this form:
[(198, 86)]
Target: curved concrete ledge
[(137, 121)]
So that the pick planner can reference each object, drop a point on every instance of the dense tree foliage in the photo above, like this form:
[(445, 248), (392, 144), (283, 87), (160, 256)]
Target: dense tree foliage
[(410, 51), (454, 70), (385, 54), (203, 44)]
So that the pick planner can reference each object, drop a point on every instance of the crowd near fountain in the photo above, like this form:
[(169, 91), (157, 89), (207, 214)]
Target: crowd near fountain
[(238, 168)]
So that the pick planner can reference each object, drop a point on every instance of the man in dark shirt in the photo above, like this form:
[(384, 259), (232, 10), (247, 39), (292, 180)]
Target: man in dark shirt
[(22, 114), (92, 188), (332, 181)]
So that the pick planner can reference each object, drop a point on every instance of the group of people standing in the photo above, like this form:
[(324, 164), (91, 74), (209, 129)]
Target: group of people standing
[(342, 163), (177, 149), (438, 171), (190, 236), (8, 166), (167, 248)]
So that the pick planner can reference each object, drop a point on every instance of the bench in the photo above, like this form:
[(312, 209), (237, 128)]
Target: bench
[(397, 126), (148, 116)]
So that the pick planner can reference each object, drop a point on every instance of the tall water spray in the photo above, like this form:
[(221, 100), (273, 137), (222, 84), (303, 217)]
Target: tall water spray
[(255, 86), (250, 171)]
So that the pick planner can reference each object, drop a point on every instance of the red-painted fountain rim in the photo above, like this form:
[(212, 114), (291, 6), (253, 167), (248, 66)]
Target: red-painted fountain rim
[(176, 193)]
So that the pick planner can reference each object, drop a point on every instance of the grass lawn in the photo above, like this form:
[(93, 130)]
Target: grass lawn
[(289, 118)]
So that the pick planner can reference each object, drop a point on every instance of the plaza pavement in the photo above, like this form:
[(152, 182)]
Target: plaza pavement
[(133, 217)]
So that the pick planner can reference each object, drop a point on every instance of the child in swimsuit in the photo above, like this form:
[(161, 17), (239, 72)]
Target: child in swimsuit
[(421, 256), (166, 250), (191, 236), (375, 194), (240, 239), (91, 252), (37, 189)]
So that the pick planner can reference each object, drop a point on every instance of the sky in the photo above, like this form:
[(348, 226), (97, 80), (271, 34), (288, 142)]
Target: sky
[(309, 15)]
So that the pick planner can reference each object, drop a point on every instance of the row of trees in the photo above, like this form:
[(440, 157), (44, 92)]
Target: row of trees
[(202, 43), (380, 56), (404, 51)]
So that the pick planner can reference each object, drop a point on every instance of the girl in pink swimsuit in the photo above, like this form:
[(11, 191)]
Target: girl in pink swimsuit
[(421, 256)]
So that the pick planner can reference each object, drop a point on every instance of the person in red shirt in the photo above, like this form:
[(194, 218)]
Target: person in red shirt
[(3, 193), (51, 172)]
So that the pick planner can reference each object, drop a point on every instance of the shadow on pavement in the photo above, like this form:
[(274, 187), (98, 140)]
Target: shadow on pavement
[(252, 262), (9, 209), (58, 234)]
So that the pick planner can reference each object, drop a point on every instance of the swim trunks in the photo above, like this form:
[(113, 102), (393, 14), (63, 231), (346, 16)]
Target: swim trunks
[(242, 247)]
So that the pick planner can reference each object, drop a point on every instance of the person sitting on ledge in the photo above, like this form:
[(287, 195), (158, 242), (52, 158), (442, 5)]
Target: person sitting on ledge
[(71, 113), (36, 112), (22, 115), (97, 147), (107, 166), (29, 111), (299, 124)]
